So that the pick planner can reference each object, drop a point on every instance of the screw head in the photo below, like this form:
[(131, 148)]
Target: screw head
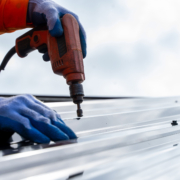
[(174, 123)]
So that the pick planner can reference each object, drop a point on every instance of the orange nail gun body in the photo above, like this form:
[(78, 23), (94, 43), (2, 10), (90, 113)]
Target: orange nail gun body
[(65, 54)]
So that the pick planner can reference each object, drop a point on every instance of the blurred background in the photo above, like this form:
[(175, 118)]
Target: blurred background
[(133, 50)]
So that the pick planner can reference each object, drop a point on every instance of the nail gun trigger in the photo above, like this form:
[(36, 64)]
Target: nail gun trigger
[(43, 48)]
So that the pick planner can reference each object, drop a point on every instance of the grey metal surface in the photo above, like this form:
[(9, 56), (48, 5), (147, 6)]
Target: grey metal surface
[(118, 139)]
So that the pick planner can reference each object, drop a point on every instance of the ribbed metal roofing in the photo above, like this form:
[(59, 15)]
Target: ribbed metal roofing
[(118, 139)]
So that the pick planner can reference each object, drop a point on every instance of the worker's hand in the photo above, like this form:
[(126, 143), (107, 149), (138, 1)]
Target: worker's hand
[(31, 119), (48, 12)]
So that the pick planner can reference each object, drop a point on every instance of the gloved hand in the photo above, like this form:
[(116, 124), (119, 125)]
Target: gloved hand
[(48, 12), (31, 119)]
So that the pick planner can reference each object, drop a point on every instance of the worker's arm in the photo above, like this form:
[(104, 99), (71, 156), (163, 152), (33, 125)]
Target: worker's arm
[(24, 114), (19, 14), (13, 15)]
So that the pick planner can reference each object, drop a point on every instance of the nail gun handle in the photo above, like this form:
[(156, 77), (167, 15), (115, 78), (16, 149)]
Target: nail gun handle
[(32, 40)]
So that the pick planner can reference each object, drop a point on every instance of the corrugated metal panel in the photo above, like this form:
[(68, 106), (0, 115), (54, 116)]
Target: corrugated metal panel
[(118, 139)]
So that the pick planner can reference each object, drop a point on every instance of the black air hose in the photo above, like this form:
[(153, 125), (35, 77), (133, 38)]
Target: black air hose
[(6, 59)]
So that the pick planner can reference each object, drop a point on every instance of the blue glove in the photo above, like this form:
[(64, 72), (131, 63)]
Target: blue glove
[(32, 119), (48, 12)]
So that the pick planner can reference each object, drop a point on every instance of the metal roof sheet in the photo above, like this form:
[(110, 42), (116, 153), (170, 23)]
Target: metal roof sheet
[(118, 139)]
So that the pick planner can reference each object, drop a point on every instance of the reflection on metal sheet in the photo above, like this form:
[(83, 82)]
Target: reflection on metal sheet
[(118, 139)]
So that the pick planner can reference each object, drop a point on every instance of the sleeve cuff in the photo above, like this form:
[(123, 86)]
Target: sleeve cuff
[(2, 4), (14, 15)]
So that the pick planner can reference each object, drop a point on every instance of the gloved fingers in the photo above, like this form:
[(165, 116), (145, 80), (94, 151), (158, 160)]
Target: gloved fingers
[(24, 128), (49, 12), (44, 125), (33, 99), (59, 118), (82, 32), (55, 30), (46, 107), (36, 136), (43, 108), (49, 16), (55, 120), (49, 130), (39, 102), (48, 113), (82, 35), (65, 129), (38, 19), (53, 22), (46, 57)]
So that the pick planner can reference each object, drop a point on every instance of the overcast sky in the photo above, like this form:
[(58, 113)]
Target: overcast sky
[(133, 50)]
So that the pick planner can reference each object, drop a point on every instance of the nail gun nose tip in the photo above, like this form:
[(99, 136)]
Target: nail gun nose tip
[(79, 111)]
